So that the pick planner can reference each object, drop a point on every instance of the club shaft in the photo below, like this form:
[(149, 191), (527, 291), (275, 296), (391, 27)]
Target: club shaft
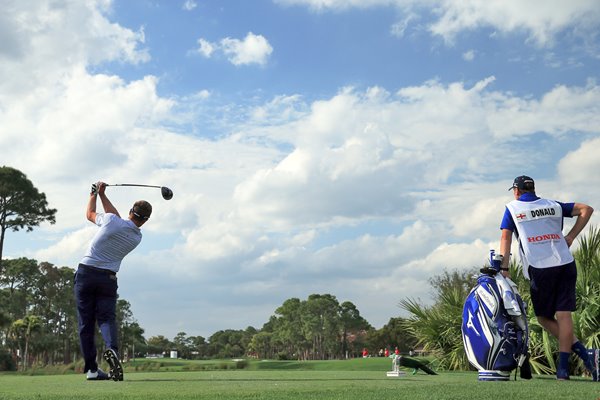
[(133, 184)]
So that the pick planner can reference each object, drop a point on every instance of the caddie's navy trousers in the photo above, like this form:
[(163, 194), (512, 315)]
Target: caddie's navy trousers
[(96, 298)]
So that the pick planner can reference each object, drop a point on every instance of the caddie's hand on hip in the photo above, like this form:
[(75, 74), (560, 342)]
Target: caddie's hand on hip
[(569, 240)]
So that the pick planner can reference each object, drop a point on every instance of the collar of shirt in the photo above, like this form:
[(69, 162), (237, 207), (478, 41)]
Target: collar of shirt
[(528, 197)]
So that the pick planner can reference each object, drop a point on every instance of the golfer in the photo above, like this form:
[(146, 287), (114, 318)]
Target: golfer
[(96, 279), (548, 264)]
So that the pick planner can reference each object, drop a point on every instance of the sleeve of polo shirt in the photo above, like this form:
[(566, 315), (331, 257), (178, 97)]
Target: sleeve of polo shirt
[(103, 218), (507, 221), (567, 209)]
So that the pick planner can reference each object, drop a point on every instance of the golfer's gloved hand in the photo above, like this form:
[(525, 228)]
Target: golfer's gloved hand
[(94, 189)]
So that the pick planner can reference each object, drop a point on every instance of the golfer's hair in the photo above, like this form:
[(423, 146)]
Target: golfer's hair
[(141, 210)]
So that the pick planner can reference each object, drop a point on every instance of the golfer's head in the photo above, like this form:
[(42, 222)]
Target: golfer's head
[(140, 212)]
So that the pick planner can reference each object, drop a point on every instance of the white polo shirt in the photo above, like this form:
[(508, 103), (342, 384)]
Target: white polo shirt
[(116, 238)]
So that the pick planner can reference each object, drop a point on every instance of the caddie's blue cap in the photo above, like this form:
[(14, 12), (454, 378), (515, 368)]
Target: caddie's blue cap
[(523, 182)]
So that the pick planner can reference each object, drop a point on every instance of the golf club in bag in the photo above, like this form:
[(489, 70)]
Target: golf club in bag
[(166, 193), (494, 326)]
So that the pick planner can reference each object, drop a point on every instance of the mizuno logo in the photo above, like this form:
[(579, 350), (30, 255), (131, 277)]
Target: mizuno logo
[(470, 323)]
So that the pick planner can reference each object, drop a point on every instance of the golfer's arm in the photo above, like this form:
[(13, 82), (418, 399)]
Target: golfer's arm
[(108, 207), (505, 243), (90, 213)]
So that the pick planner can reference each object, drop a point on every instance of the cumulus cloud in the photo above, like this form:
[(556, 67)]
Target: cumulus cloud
[(540, 20), (573, 170), (205, 48), (560, 111), (320, 5), (259, 210), (253, 49), (33, 59)]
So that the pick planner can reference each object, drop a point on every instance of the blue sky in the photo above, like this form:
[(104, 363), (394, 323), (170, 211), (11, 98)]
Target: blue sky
[(351, 147)]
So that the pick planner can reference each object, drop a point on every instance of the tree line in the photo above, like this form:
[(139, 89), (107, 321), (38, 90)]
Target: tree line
[(38, 326)]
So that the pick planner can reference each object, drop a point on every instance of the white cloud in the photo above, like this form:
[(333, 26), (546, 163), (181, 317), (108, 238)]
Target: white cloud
[(44, 40), (469, 55), (540, 20), (574, 172), (253, 49), (285, 107), (189, 5), (206, 48), (67, 248), (319, 5), (560, 111), (346, 162), (399, 28)]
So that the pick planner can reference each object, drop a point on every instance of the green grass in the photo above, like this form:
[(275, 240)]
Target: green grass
[(171, 365), (347, 380)]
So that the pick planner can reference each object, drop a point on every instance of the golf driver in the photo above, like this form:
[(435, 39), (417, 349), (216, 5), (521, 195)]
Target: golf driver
[(167, 193)]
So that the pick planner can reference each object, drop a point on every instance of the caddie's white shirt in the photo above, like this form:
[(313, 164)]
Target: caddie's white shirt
[(116, 238), (539, 225)]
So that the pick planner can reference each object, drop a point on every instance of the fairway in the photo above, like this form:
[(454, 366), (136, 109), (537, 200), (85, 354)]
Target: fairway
[(244, 384)]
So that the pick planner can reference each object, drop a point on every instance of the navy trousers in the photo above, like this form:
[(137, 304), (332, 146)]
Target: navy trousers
[(96, 298)]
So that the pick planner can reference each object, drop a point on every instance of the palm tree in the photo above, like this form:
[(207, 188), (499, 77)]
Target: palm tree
[(24, 329), (587, 318), (438, 328)]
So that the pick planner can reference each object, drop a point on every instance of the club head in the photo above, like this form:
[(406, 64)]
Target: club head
[(167, 193)]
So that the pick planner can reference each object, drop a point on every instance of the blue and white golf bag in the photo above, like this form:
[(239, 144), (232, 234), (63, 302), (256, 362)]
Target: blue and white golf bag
[(494, 325)]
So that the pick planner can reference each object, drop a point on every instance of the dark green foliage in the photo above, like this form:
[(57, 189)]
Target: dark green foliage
[(393, 334), (22, 206), (38, 317), (6, 361), (317, 328), (438, 327)]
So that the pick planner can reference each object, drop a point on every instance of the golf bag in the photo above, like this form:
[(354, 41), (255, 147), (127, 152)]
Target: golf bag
[(494, 326)]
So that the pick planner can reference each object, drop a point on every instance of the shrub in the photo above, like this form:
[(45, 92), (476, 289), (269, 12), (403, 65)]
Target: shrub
[(6, 361)]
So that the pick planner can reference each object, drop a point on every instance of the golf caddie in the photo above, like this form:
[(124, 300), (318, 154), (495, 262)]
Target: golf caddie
[(548, 265), (96, 279)]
